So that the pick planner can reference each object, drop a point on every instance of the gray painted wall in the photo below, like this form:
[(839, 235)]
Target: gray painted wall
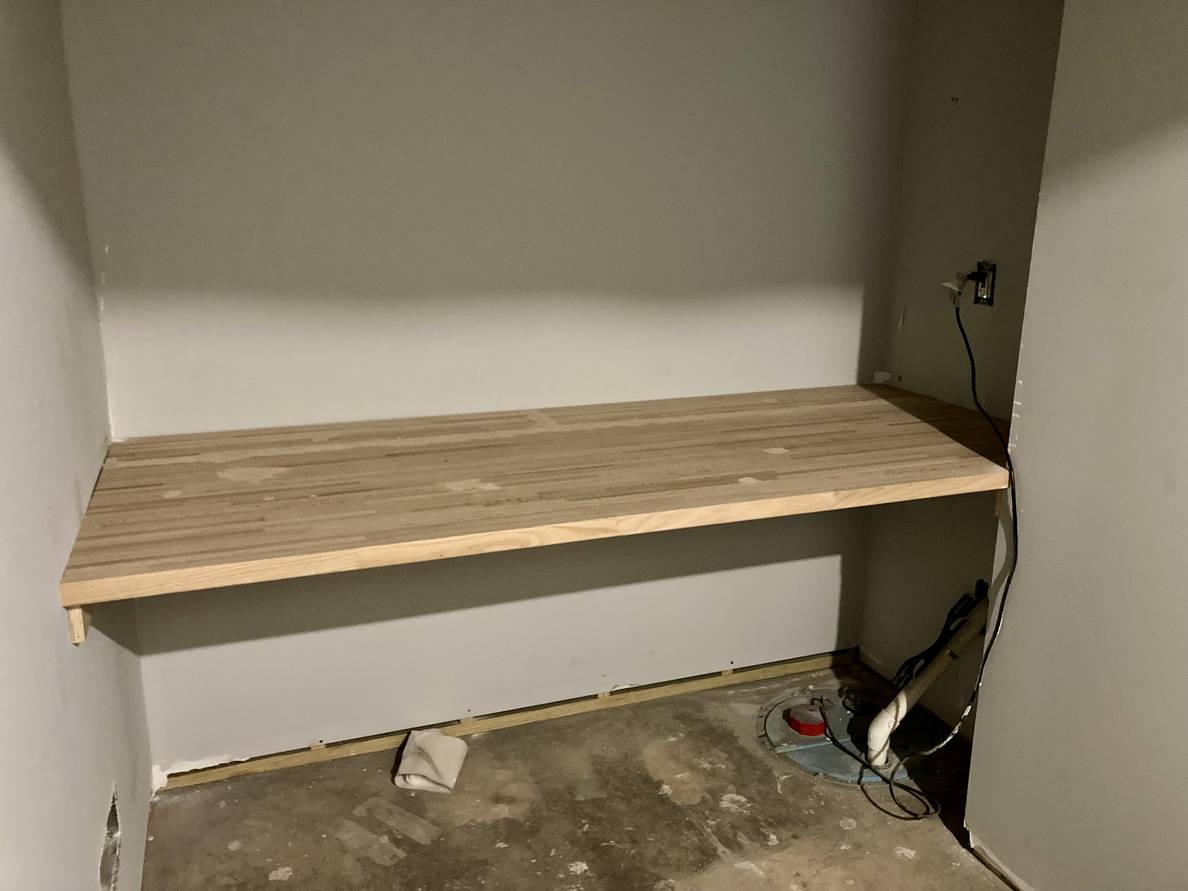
[(1094, 629), (979, 94), (314, 212), (73, 719), (304, 211), (266, 668)]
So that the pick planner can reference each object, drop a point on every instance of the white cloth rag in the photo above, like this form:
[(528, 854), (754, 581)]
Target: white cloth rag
[(430, 762)]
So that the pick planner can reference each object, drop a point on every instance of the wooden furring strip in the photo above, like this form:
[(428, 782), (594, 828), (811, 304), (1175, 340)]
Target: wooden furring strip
[(608, 699)]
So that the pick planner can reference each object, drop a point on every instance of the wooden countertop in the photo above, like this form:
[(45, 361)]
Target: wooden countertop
[(181, 513)]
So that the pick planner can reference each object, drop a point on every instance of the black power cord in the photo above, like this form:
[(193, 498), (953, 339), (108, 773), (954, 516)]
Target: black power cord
[(958, 614), (930, 806), (1014, 512)]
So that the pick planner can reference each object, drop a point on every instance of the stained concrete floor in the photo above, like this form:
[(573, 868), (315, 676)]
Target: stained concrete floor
[(673, 794)]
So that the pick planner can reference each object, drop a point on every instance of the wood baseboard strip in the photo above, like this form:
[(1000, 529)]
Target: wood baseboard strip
[(517, 718)]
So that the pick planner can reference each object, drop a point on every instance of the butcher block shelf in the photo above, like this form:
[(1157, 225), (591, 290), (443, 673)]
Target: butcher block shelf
[(205, 510)]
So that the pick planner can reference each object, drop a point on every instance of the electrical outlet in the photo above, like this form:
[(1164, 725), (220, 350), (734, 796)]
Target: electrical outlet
[(984, 278)]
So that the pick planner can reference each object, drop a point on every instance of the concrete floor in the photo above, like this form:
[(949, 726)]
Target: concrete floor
[(674, 794)]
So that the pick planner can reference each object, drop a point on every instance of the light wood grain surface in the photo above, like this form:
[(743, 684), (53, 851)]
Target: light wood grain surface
[(182, 513)]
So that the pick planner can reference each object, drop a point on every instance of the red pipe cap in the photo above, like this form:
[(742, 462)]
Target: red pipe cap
[(805, 720)]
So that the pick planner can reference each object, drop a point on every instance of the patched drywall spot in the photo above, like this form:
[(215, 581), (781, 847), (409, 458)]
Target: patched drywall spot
[(250, 474), (109, 860)]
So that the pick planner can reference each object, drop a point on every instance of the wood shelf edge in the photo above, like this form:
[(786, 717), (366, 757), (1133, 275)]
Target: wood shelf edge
[(84, 592)]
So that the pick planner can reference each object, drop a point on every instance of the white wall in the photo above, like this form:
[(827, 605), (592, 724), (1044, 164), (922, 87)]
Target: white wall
[(305, 211), (978, 100), (1076, 779), (73, 719)]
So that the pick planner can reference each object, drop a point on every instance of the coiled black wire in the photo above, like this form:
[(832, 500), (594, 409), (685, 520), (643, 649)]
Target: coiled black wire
[(929, 806)]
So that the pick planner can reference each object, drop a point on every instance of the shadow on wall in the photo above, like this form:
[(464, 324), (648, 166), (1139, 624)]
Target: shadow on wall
[(43, 155), (264, 668), (829, 550), (585, 202)]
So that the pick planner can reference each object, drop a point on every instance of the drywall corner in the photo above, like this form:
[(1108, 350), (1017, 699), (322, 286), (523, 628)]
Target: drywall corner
[(974, 148), (1094, 633), (75, 723)]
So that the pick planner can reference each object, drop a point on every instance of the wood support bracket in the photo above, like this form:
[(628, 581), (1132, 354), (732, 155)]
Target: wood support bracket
[(1002, 504), (78, 621)]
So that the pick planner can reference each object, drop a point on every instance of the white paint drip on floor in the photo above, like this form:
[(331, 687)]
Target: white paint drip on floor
[(905, 853), (578, 867), (734, 803), (848, 823), (281, 874), (780, 781)]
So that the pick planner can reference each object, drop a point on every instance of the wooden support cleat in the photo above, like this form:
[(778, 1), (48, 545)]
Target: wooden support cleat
[(79, 622)]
